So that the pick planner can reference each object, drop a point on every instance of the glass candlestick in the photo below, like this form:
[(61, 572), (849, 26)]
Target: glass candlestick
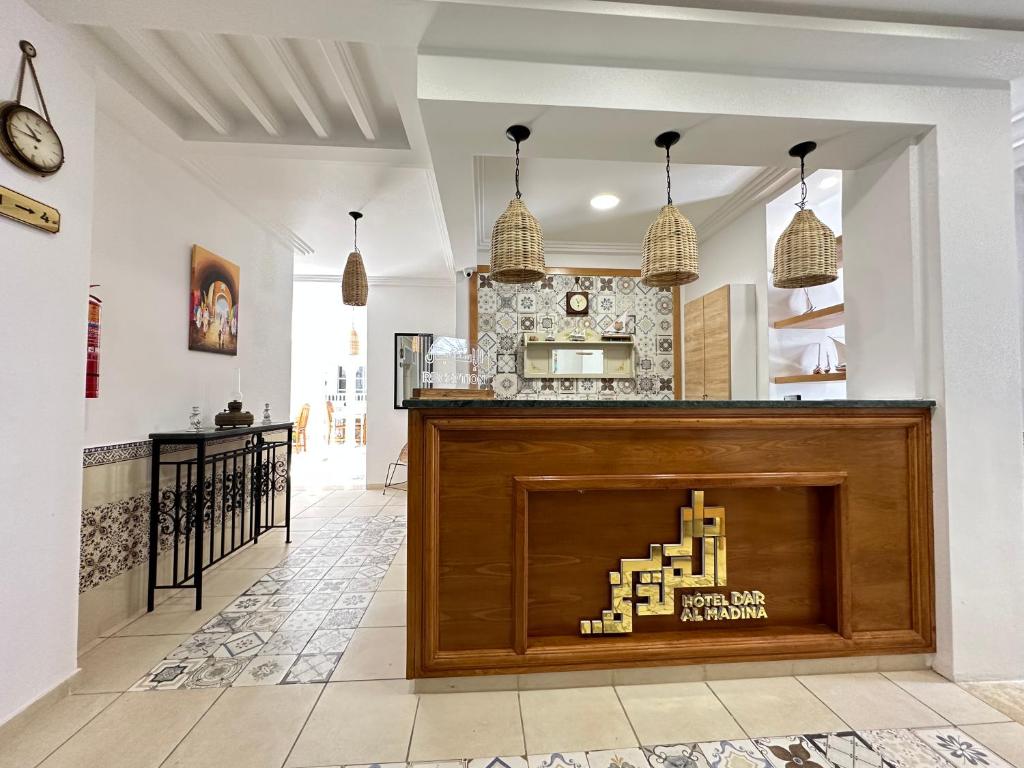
[(266, 413), (195, 421)]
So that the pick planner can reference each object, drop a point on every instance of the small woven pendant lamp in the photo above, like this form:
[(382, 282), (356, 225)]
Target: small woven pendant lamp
[(517, 242), (669, 254), (805, 253), (354, 286)]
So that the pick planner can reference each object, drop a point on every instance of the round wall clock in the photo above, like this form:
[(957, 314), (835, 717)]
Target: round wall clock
[(28, 140)]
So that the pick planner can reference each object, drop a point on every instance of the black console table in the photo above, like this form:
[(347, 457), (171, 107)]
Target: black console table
[(234, 477)]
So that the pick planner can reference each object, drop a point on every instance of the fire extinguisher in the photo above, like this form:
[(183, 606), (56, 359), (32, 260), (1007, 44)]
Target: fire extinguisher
[(92, 359)]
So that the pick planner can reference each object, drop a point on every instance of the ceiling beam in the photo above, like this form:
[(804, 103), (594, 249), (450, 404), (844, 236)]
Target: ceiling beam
[(293, 77), (227, 63), (767, 183), (350, 81), (158, 55)]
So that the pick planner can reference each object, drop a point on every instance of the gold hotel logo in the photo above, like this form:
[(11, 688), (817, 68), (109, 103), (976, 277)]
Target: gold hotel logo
[(698, 560)]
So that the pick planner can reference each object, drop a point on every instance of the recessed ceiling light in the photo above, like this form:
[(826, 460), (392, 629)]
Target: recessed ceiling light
[(828, 182), (604, 202)]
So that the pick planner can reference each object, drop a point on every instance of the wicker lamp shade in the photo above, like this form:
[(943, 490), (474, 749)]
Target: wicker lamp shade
[(805, 253), (517, 246), (354, 286), (669, 254)]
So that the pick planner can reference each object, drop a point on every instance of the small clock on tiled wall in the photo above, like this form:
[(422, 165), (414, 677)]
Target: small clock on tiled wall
[(577, 302)]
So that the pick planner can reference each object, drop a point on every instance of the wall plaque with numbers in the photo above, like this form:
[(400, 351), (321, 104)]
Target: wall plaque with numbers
[(19, 207)]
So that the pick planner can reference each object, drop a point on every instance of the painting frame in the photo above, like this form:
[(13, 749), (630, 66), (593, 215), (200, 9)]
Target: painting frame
[(213, 303)]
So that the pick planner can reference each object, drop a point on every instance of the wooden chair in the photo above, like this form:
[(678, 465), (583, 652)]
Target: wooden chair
[(403, 461), (330, 421), (299, 434)]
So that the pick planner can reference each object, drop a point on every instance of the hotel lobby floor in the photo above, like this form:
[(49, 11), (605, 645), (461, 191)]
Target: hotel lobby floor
[(334, 694)]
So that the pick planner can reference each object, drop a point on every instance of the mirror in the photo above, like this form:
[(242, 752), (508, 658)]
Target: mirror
[(577, 362), (411, 362)]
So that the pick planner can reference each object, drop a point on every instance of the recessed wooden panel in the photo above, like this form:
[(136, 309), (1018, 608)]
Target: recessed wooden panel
[(474, 586)]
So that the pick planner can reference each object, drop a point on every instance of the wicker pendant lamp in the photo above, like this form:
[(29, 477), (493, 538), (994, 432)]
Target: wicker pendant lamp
[(669, 254), (805, 254), (517, 242), (354, 286)]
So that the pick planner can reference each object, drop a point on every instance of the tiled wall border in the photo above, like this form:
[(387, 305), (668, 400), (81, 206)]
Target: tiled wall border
[(110, 454)]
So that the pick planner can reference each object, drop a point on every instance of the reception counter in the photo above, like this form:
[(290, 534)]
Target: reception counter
[(554, 536)]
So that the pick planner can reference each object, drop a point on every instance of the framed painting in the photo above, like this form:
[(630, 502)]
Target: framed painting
[(213, 304)]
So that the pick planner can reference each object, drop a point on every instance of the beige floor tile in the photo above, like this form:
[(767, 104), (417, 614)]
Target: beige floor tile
[(402, 556), (139, 730), (355, 723), (386, 609), (309, 523), (247, 728), (374, 498), (1005, 739), (116, 664), (466, 684), (29, 741), (688, 673), (394, 578), (258, 557), (775, 705), (948, 699), (229, 581), (869, 700), (574, 719), (1008, 698), (458, 725), (374, 653), (589, 678), (177, 616), (676, 713)]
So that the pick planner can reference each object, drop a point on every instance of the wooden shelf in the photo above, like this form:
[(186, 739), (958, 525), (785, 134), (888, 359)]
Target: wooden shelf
[(809, 377), (829, 317)]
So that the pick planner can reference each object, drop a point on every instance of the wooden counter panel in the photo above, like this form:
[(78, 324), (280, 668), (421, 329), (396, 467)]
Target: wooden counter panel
[(465, 523)]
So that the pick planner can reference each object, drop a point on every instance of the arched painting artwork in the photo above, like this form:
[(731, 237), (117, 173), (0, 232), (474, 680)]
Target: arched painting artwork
[(213, 304)]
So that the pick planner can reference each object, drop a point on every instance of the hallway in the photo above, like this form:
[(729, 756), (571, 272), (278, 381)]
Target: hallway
[(297, 660)]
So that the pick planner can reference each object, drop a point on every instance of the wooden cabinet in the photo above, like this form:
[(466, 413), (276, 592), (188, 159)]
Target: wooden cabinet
[(708, 346)]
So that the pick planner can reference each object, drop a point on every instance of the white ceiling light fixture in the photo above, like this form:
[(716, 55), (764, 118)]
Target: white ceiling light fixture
[(604, 202)]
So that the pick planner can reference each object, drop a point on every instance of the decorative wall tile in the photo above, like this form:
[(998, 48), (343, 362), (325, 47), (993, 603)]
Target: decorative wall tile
[(110, 454), (506, 312)]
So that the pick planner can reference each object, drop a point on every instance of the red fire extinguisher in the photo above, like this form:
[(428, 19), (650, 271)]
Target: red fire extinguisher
[(92, 360)]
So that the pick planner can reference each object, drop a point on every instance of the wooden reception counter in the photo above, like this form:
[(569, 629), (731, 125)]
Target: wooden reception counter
[(550, 536)]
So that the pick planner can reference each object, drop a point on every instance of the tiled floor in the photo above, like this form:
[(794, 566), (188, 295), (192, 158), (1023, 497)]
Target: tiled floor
[(297, 661)]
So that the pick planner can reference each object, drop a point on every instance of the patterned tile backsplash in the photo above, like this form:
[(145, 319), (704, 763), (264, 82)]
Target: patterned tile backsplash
[(506, 312)]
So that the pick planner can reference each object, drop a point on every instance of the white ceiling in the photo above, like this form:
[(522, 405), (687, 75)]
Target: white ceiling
[(320, 96)]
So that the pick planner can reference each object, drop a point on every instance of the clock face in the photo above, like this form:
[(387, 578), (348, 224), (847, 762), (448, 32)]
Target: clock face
[(577, 303), (31, 140)]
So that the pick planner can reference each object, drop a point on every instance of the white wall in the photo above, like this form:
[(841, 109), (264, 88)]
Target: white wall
[(42, 379), (391, 310), (878, 220), (149, 212), (736, 255)]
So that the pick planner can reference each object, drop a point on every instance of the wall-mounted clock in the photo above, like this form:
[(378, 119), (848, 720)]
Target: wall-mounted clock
[(27, 138), (577, 303)]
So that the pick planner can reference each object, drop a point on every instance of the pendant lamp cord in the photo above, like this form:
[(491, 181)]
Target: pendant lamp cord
[(26, 59), (803, 187), (355, 235), (668, 173), (518, 193)]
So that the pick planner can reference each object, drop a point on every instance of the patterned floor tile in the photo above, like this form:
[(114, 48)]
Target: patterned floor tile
[(958, 748), (617, 758), (261, 587), (329, 641), (330, 587), (363, 585), (297, 587), (498, 762), (215, 673), (199, 646), (247, 603), (353, 600), (318, 601), (264, 670), (304, 620), (345, 618), (287, 641), (728, 754), (315, 668), (790, 752), (342, 572), (900, 748), (168, 675), (287, 603), (558, 760), (443, 764), (846, 750), (261, 621), (245, 643), (282, 574)]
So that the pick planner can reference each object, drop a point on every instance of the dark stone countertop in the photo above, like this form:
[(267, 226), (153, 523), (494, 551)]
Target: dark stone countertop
[(682, 405)]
